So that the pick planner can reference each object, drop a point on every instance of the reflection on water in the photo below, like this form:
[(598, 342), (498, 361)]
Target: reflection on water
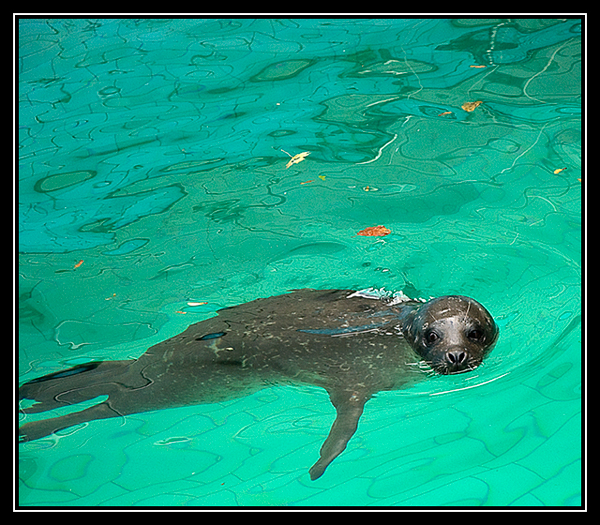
[(151, 150)]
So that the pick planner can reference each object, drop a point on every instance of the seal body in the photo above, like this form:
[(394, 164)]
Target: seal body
[(349, 344)]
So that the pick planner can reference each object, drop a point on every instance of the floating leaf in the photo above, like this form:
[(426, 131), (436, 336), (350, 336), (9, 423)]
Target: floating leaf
[(78, 264), (307, 181), (470, 106), (445, 113), (374, 231), (556, 172), (322, 177), (296, 158), (477, 67)]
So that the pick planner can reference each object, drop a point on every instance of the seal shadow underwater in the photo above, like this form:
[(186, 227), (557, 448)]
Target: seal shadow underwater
[(350, 344)]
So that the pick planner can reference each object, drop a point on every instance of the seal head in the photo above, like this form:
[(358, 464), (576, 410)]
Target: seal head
[(452, 333)]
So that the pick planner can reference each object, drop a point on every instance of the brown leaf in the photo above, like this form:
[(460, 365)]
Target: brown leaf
[(374, 231)]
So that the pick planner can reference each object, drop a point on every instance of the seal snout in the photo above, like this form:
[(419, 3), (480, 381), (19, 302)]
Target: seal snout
[(456, 357), (456, 360)]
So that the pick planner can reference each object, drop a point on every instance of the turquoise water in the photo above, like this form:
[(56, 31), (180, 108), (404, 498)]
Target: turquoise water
[(152, 174)]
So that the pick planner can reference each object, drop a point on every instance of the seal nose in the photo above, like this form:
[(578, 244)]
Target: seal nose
[(456, 357)]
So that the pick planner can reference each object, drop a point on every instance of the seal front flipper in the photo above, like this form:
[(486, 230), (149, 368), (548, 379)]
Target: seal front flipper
[(349, 406)]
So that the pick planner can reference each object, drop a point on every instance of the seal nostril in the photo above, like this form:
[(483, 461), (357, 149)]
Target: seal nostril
[(456, 357)]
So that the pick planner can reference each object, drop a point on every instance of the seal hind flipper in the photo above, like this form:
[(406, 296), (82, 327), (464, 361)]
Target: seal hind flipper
[(39, 429), (71, 386), (349, 406)]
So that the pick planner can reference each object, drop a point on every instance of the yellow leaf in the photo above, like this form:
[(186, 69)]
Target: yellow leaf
[(470, 106), (296, 158), (322, 177), (556, 172)]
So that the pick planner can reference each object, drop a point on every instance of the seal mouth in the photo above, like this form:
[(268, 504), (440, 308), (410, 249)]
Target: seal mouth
[(449, 368), (459, 371), (445, 369)]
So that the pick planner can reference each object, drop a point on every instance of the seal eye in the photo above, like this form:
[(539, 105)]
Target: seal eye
[(431, 337), (475, 334)]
